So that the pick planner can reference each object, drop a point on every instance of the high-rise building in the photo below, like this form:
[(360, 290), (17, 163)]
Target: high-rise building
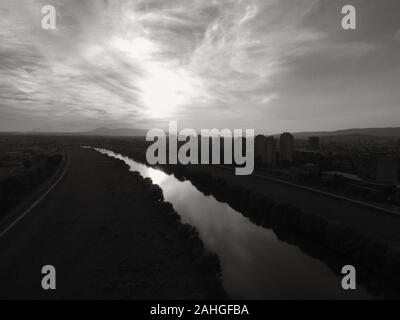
[(313, 143), (271, 151), (260, 149), (398, 149), (379, 167), (286, 144), (265, 150)]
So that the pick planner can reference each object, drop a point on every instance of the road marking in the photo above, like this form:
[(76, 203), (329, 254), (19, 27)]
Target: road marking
[(328, 194), (37, 201)]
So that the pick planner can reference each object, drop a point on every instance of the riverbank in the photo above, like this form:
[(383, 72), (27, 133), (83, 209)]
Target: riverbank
[(110, 236)]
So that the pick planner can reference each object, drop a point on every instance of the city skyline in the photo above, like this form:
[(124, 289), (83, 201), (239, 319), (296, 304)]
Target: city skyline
[(259, 64)]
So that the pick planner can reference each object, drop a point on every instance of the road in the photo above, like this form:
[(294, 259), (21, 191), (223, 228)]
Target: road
[(17, 216), (363, 217), (367, 205), (328, 194), (103, 235)]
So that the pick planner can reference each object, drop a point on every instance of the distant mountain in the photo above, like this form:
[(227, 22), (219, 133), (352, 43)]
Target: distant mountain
[(367, 133), (353, 138), (123, 132), (342, 135), (8, 133)]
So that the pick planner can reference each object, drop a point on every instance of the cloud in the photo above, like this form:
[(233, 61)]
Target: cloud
[(397, 36), (270, 65)]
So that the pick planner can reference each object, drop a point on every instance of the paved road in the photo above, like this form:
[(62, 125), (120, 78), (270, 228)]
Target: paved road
[(33, 200), (366, 219), (365, 204), (104, 237)]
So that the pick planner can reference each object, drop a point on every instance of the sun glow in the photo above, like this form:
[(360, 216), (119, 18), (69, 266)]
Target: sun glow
[(165, 90), (164, 85)]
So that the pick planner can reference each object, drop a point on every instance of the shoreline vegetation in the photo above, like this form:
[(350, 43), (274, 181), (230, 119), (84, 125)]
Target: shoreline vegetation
[(377, 261), (207, 263)]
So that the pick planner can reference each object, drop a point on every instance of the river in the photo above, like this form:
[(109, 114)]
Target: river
[(255, 263)]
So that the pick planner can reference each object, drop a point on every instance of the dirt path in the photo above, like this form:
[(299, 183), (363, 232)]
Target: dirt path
[(106, 239)]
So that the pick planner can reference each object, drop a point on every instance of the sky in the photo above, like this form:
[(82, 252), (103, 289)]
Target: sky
[(269, 65)]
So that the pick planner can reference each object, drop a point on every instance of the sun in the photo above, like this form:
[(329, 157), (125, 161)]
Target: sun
[(165, 90)]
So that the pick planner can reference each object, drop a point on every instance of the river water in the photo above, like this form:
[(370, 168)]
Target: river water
[(255, 263)]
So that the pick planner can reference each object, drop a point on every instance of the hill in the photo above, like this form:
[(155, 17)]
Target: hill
[(367, 133), (115, 132)]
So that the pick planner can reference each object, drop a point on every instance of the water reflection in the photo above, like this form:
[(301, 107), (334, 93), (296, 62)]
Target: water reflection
[(255, 263)]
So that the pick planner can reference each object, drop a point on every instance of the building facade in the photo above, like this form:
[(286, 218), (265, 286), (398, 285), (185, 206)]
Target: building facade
[(265, 150), (286, 145), (271, 151), (260, 149), (398, 149)]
